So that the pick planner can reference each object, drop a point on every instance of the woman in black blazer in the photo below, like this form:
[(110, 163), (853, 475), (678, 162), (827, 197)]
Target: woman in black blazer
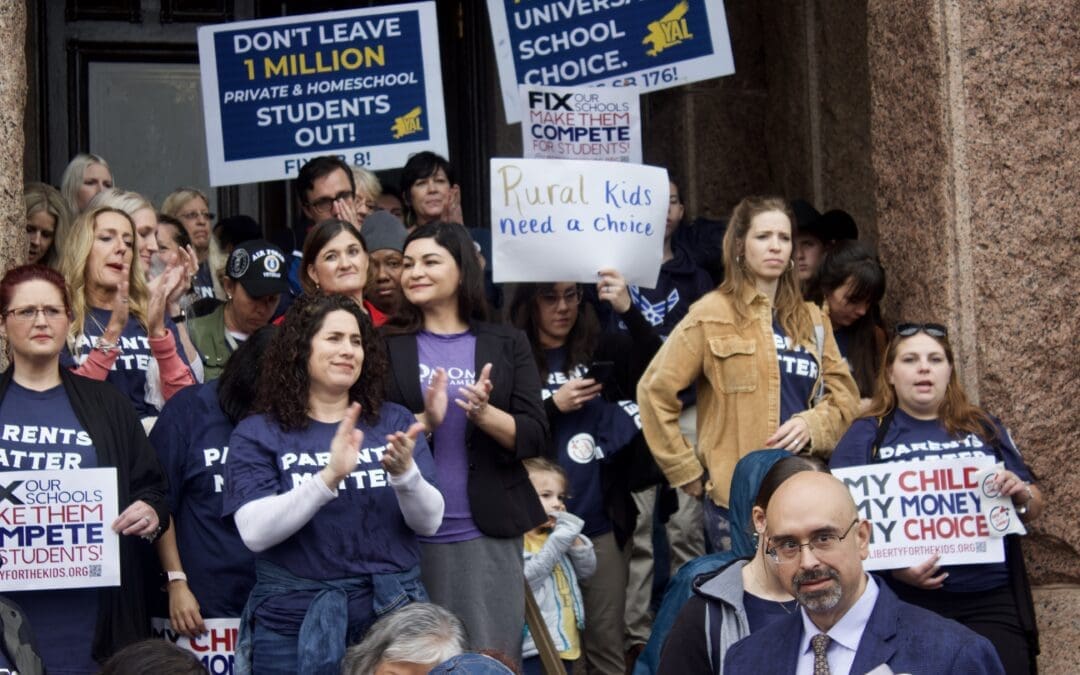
[(476, 388)]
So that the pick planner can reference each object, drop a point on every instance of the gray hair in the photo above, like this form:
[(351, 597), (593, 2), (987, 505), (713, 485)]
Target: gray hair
[(418, 633)]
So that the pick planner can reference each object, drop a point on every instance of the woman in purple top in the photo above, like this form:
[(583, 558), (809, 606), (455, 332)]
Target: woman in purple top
[(441, 348)]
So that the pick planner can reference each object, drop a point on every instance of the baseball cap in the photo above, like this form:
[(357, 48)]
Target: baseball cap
[(260, 268)]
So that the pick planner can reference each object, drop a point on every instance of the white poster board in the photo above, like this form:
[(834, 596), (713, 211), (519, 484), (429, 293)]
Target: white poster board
[(581, 123), (644, 45), (55, 529), (564, 220), (919, 509), (362, 84), (215, 649)]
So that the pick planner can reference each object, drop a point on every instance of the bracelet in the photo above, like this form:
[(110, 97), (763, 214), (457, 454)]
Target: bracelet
[(180, 318), (176, 576), (106, 347)]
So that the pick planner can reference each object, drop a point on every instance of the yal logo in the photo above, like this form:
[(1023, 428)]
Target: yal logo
[(670, 30), (409, 123)]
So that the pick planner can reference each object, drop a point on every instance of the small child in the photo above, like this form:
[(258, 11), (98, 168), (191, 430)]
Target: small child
[(556, 556)]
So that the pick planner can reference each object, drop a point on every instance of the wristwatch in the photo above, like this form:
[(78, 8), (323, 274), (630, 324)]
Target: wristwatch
[(176, 576)]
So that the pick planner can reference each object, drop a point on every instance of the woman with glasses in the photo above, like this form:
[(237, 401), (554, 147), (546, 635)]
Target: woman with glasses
[(192, 209), (92, 425), (335, 260), (766, 365), (118, 319), (592, 417), (920, 412), (441, 350)]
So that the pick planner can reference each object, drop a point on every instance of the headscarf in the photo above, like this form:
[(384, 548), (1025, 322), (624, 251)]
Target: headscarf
[(745, 483)]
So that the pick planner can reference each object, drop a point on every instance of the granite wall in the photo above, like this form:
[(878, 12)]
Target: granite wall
[(12, 102), (950, 129)]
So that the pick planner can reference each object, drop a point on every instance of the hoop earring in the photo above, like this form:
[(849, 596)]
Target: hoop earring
[(738, 260), (790, 264)]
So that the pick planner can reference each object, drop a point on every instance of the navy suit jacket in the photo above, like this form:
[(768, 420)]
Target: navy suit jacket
[(907, 638)]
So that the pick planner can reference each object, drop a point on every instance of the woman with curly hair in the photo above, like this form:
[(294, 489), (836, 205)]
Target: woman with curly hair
[(329, 486)]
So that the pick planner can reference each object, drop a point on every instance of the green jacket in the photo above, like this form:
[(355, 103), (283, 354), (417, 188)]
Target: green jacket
[(208, 335)]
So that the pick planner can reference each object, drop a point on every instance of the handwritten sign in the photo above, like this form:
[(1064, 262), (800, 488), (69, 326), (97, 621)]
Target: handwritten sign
[(918, 509), (363, 84), (645, 45), (581, 123), (215, 649), (55, 529), (563, 220)]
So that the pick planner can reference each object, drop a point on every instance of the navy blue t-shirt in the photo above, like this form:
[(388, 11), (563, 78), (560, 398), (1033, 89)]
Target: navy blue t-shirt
[(583, 438), (40, 431), (761, 612), (192, 441), (128, 373), (909, 439), (360, 532), (798, 374)]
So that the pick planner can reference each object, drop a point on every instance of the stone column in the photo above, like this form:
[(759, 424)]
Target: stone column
[(12, 102), (975, 135)]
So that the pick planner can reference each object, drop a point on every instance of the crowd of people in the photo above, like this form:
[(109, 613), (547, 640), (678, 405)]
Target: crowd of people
[(347, 441)]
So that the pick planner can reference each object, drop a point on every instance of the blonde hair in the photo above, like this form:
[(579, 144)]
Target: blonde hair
[(43, 197), (73, 261), (791, 311), (122, 200), (180, 196), (73, 177), (366, 182), (541, 464)]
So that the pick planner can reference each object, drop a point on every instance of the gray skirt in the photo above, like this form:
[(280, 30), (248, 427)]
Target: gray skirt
[(482, 581)]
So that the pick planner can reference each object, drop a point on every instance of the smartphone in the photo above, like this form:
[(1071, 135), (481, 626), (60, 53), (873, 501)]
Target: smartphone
[(601, 371)]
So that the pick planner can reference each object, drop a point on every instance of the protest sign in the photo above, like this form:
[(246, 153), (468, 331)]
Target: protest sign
[(362, 84), (581, 123), (919, 509), (645, 45), (55, 529), (563, 220), (215, 649)]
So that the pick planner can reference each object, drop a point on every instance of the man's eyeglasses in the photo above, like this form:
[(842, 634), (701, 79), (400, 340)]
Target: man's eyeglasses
[(28, 314), (789, 549), (551, 298), (325, 204), (934, 330)]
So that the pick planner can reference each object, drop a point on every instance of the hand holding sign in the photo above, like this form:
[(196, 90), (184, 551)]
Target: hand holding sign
[(139, 519), (612, 288), (184, 610), (924, 575)]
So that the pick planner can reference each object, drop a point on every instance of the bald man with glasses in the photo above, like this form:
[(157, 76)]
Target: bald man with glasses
[(848, 622)]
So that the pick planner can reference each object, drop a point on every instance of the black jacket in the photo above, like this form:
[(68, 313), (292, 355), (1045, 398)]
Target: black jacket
[(120, 442), (501, 498)]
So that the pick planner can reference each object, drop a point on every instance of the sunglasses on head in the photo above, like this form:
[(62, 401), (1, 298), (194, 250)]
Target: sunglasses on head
[(935, 330)]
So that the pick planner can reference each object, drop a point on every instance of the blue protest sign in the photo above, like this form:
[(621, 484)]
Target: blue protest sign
[(362, 84), (645, 44)]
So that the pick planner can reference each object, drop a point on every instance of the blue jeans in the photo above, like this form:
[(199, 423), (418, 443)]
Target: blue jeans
[(273, 653)]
